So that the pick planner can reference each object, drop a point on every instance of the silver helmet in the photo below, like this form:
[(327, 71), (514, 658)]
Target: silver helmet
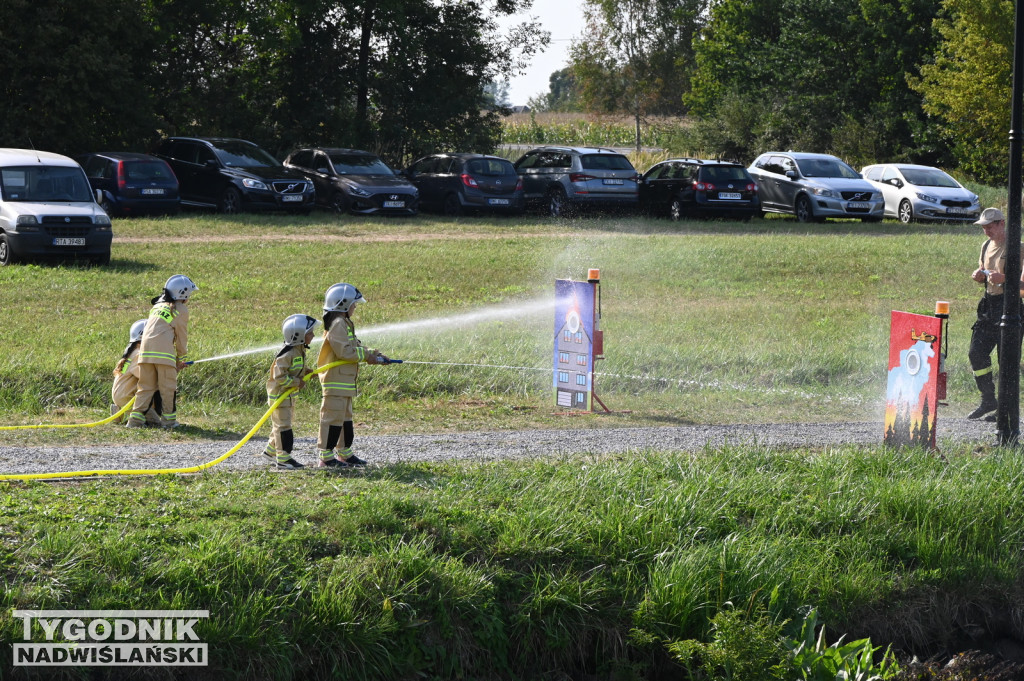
[(341, 298), (180, 287), (136, 333), (296, 327)]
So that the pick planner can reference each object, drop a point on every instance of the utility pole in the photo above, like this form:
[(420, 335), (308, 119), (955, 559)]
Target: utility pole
[(1008, 416)]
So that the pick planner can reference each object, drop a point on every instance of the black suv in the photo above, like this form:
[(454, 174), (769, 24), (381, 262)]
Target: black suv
[(232, 175), (565, 179), (350, 180), (682, 187)]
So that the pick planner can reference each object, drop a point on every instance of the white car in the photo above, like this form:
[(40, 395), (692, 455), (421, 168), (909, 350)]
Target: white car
[(914, 192)]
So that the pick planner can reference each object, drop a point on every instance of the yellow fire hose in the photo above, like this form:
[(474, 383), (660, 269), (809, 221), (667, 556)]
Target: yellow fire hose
[(154, 471)]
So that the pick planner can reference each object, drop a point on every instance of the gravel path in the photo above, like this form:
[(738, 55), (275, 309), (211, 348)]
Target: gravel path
[(483, 446)]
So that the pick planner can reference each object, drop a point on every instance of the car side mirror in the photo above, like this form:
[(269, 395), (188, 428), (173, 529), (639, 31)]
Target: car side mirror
[(791, 174), (322, 171), (212, 163), (896, 182), (99, 195)]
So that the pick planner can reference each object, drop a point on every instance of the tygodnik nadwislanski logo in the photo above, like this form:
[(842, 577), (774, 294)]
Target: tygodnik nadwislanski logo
[(129, 638)]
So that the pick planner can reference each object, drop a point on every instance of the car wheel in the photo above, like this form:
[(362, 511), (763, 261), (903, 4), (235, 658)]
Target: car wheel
[(558, 204), (452, 207), (906, 212), (6, 256), (339, 203), (107, 207), (804, 211), (231, 202), (102, 260), (675, 211)]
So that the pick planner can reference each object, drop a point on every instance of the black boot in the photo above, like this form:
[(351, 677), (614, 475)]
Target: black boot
[(988, 396)]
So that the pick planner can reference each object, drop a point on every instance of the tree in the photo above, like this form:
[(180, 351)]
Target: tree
[(968, 87), (635, 56), (76, 75), (562, 95)]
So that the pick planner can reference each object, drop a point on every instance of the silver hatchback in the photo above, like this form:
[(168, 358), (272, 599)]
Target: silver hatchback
[(566, 179), (814, 187)]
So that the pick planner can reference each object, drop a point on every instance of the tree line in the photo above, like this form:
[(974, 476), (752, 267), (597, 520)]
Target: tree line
[(924, 81), (401, 77), (870, 80)]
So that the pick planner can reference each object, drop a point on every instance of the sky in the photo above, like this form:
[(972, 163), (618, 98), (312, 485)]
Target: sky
[(564, 20)]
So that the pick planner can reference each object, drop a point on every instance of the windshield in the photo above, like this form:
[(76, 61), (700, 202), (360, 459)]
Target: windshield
[(491, 167), (826, 167), (928, 177), (605, 162), (141, 171), (245, 155), (359, 164), (39, 184), (724, 174)]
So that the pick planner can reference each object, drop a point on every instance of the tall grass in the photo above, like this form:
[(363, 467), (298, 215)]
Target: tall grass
[(527, 569), (704, 321)]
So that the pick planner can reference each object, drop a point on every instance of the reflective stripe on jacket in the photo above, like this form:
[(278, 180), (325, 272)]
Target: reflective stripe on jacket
[(341, 344), (165, 338), (288, 369)]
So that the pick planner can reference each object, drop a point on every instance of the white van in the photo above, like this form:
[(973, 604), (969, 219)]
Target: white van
[(47, 209)]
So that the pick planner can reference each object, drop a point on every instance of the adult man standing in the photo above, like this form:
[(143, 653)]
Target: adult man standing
[(986, 333)]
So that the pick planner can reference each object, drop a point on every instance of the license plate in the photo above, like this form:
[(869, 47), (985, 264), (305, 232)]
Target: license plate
[(858, 205), (498, 202), (612, 181), (394, 204), (153, 191), (956, 211), (291, 197), (69, 241), (730, 195)]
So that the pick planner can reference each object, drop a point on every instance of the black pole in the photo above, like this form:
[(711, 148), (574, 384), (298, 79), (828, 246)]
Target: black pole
[(1008, 416)]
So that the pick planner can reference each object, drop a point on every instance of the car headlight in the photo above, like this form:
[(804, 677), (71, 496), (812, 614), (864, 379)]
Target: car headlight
[(821, 191), (253, 184), (926, 197), (975, 201), (101, 221), (27, 223), (359, 191)]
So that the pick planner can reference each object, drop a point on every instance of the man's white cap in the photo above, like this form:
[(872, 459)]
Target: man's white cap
[(990, 215)]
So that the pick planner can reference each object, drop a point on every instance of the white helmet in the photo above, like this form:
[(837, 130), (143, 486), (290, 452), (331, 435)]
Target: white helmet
[(341, 297), (136, 332), (296, 327), (180, 287)]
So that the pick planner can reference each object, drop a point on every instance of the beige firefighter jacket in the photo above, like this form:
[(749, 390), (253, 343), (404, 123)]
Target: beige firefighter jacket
[(165, 338), (126, 380), (341, 344), (288, 369)]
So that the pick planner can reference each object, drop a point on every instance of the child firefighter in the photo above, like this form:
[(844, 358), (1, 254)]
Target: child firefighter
[(339, 383), (288, 371), (126, 375), (163, 353)]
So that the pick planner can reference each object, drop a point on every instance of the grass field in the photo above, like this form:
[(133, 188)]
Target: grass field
[(544, 570), (705, 322)]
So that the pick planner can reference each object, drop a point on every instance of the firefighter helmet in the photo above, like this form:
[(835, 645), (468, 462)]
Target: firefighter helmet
[(341, 298), (180, 287), (136, 333), (296, 327)]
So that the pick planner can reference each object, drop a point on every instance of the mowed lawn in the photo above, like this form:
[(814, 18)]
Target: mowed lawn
[(704, 322)]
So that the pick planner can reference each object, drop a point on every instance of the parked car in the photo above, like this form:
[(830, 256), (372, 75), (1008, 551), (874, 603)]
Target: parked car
[(350, 180), (233, 175), (682, 187), (47, 209), (914, 192), (132, 184), (566, 179), (814, 187), (456, 183)]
